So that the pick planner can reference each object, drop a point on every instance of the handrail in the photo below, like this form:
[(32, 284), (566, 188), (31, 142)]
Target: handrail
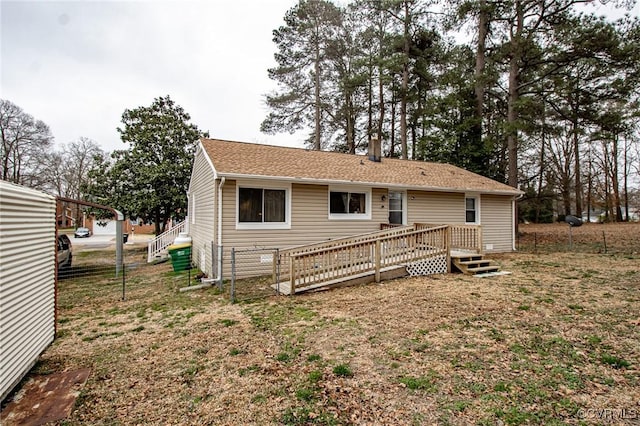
[(164, 240), (353, 238), (351, 258), (463, 237)]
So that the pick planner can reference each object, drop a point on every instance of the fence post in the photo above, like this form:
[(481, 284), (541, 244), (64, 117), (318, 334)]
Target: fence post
[(274, 267), (378, 259), (447, 246), (292, 275), (479, 231), (277, 271), (220, 266), (232, 291)]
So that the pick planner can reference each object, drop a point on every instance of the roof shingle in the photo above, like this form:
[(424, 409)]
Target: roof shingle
[(241, 159)]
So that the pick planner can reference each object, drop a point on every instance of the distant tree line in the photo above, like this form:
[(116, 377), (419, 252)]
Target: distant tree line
[(147, 180), (544, 95), (30, 158)]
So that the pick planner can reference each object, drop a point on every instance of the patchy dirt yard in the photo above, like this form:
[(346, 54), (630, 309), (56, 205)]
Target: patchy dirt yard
[(555, 342)]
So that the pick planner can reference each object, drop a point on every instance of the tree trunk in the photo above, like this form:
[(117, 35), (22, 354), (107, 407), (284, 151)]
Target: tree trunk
[(404, 89), (576, 152), (577, 171), (615, 183), (316, 138), (392, 146), (381, 98), (350, 125), (513, 97), (607, 197), (370, 102), (483, 31), (540, 173), (156, 221), (625, 178)]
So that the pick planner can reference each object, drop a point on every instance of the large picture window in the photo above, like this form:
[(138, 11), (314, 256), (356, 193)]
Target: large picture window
[(259, 205)]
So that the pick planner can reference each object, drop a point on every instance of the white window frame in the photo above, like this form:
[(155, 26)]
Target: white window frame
[(476, 197), (264, 225), (350, 216)]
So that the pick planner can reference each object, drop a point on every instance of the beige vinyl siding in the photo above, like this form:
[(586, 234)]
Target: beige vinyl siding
[(202, 231), (309, 219), (27, 270), (496, 213), (435, 207)]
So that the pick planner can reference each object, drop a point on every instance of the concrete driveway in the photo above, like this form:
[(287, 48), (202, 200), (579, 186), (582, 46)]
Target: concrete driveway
[(105, 241), (94, 241)]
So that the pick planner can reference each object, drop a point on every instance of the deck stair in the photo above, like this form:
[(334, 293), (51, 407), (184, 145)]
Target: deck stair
[(157, 247), (474, 264)]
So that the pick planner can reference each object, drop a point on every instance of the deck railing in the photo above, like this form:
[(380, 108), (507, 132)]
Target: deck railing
[(350, 258), (160, 243), (351, 239), (463, 237)]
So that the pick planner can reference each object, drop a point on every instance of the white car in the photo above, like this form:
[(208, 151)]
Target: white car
[(82, 233)]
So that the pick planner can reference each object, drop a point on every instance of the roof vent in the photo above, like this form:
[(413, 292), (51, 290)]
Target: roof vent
[(375, 150)]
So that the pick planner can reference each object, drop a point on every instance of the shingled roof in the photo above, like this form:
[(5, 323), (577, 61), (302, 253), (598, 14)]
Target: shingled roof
[(239, 159)]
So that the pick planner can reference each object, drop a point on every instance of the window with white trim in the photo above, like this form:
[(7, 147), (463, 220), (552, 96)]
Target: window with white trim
[(258, 205), (396, 207), (471, 209), (262, 208), (349, 204)]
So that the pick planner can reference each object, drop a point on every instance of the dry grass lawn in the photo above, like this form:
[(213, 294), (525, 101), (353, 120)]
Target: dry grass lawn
[(552, 343)]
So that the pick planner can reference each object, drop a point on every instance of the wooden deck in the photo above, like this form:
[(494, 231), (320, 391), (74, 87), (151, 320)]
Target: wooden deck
[(357, 279), (372, 257)]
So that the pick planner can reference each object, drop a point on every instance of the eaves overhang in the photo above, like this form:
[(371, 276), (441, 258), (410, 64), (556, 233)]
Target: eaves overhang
[(413, 187)]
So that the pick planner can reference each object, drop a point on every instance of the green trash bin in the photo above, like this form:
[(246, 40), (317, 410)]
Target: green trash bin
[(180, 256)]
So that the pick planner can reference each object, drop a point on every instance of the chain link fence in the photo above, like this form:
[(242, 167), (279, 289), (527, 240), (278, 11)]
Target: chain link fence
[(89, 264), (255, 273), (622, 238)]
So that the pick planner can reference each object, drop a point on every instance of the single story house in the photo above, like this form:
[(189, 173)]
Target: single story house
[(245, 195)]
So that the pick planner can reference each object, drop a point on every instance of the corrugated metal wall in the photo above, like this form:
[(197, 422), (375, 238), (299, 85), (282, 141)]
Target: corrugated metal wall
[(27, 280)]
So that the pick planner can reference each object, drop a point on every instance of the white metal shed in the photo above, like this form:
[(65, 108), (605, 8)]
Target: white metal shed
[(27, 280)]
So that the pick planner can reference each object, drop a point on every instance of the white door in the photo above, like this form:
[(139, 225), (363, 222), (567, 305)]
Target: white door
[(397, 208)]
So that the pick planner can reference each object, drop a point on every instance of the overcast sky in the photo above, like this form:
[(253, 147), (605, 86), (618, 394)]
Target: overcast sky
[(77, 65)]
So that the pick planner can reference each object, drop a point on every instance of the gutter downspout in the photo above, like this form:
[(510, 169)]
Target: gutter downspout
[(219, 233)]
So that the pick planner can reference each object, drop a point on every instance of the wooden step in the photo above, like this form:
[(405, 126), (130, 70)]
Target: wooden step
[(481, 269), (474, 264)]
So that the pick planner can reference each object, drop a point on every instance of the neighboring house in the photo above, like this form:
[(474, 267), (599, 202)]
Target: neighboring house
[(246, 195), (108, 226), (64, 216)]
